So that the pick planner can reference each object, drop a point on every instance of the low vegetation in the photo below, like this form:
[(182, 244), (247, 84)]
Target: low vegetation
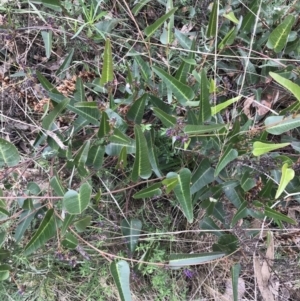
[(149, 150)]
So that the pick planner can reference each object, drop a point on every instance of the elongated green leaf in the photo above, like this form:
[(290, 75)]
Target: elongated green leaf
[(76, 203), (158, 103), (249, 19), (183, 194), (205, 110), (47, 38), (151, 29), (292, 87), (4, 271), (167, 119), (107, 69), (277, 216), (183, 39), (139, 6), (213, 21), (278, 125), (182, 92), (131, 230), (104, 125), (50, 118), (166, 37), (9, 154), (136, 111), (83, 223), (24, 222), (122, 160), (287, 175), (46, 230), (148, 192), (260, 148), (235, 272), (181, 260), (242, 212), (57, 186), (229, 155), (82, 154), (202, 129), (202, 176), (141, 166), (79, 95), (70, 241), (143, 67), (65, 65), (279, 36), (88, 109), (96, 156), (208, 224), (228, 39), (186, 66), (149, 135), (171, 182), (216, 109), (45, 83), (121, 272)]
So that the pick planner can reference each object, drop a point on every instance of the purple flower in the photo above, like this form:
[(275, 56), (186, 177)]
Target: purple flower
[(188, 273)]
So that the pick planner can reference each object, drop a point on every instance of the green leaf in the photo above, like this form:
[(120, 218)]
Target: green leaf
[(46, 84), (107, 69), (213, 21), (121, 272), (4, 254), (208, 224), (82, 154), (47, 38), (216, 109), (131, 230), (167, 119), (205, 110), (202, 176), (181, 260), (143, 67), (104, 125), (226, 243), (260, 148), (4, 271), (170, 183), (87, 109), (152, 152), (277, 216), (287, 175), (292, 87), (70, 241), (79, 95), (278, 125), (235, 272), (141, 166), (182, 92), (24, 222), (228, 39), (183, 39), (76, 203), (148, 192), (61, 71), (9, 154), (136, 111), (57, 186), (139, 6), (202, 129), (67, 222), (151, 29), (46, 230), (50, 118), (228, 156), (122, 160), (183, 194), (96, 156), (279, 36), (83, 223), (185, 67), (250, 17)]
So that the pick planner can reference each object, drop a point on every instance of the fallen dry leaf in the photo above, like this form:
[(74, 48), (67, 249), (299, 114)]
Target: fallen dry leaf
[(263, 273)]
